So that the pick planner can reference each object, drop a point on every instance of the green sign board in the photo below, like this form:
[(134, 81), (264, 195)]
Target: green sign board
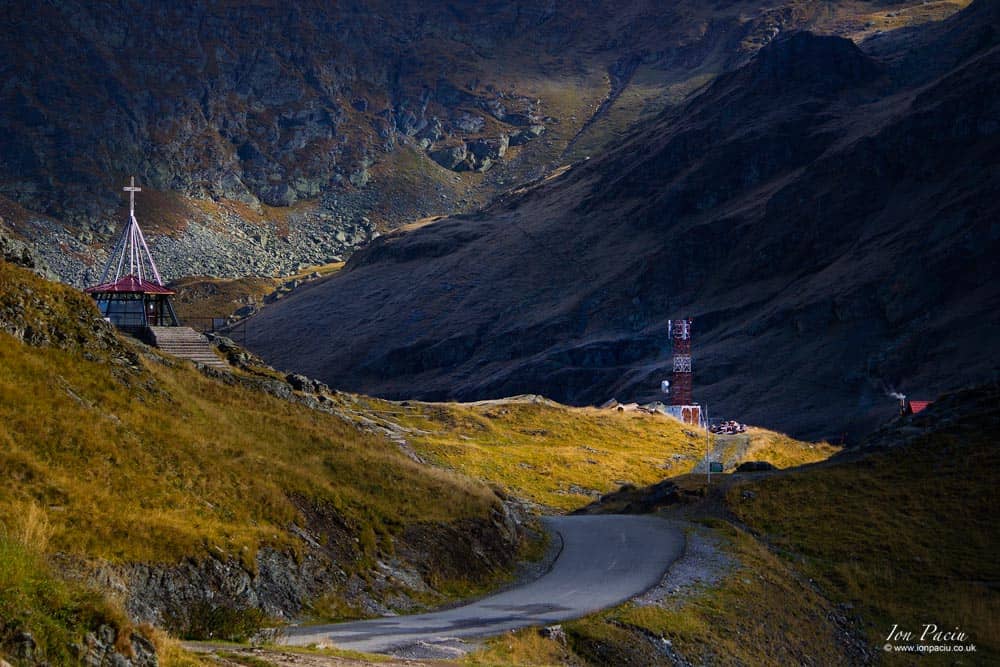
[(715, 466)]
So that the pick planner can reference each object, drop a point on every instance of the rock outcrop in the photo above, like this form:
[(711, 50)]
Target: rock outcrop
[(99, 648), (283, 585), (23, 253)]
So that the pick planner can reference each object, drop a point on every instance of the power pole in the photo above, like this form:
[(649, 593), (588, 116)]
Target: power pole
[(708, 446)]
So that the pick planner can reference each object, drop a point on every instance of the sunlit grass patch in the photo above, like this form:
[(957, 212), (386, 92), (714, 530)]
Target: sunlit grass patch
[(563, 457), (520, 647), (160, 463)]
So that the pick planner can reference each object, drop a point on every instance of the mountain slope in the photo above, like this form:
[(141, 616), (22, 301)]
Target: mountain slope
[(275, 133), (913, 529), (824, 215)]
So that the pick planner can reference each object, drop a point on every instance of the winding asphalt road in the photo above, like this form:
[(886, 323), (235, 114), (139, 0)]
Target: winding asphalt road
[(604, 560)]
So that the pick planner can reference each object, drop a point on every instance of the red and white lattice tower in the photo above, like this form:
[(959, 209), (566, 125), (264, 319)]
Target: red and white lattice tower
[(682, 405), (680, 384)]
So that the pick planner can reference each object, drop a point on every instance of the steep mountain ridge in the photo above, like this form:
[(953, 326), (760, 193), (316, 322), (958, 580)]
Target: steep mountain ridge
[(824, 215), (271, 134)]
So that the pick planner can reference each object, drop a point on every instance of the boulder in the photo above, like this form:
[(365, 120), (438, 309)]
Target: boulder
[(360, 178), (495, 108), (527, 134), (554, 632), (451, 157), (433, 131), (278, 195), (99, 649), (306, 384), (491, 149), (517, 119), (24, 647), (468, 123)]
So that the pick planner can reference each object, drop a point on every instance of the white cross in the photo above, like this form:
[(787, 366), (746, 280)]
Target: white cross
[(131, 190)]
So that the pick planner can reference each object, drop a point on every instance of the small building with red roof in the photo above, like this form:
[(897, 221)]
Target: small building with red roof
[(134, 304), (916, 407)]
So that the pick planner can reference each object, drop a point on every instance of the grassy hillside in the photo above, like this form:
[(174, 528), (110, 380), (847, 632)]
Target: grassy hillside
[(127, 457), (154, 462), (905, 536), (562, 457), (163, 462)]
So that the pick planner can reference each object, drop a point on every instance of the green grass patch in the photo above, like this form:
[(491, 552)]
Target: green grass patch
[(524, 647), (907, 536), (55, 612)]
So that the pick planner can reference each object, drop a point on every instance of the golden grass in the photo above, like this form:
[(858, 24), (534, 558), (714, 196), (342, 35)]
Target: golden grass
[(331, 652), (322, 269), (553, 455), (31, 527), (40, 310), (156, 462), (171, 653), (563, 457), (907, 537), (902, 537), (202, 298), (174, 463), (162, 463), (859, 23), (783, 451), (520, 647)]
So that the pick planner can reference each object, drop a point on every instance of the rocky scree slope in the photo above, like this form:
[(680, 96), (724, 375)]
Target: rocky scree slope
[(827, 217), (274, 134)]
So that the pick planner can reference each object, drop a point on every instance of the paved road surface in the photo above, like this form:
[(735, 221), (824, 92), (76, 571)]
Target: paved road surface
[(605, 560)]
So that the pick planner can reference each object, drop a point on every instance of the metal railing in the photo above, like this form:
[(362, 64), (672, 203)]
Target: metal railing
[(237, 331)]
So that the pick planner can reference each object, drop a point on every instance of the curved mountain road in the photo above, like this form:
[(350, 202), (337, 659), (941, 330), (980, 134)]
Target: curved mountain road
[(604, 561)]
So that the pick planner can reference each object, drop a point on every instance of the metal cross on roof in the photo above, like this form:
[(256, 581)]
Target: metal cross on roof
[(131, 246), (131, 189)]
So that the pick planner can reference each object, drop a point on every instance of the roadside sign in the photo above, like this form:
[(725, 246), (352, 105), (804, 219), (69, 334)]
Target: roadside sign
[(715, 466)]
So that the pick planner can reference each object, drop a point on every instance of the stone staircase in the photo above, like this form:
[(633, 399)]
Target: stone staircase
[(186, 343)]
